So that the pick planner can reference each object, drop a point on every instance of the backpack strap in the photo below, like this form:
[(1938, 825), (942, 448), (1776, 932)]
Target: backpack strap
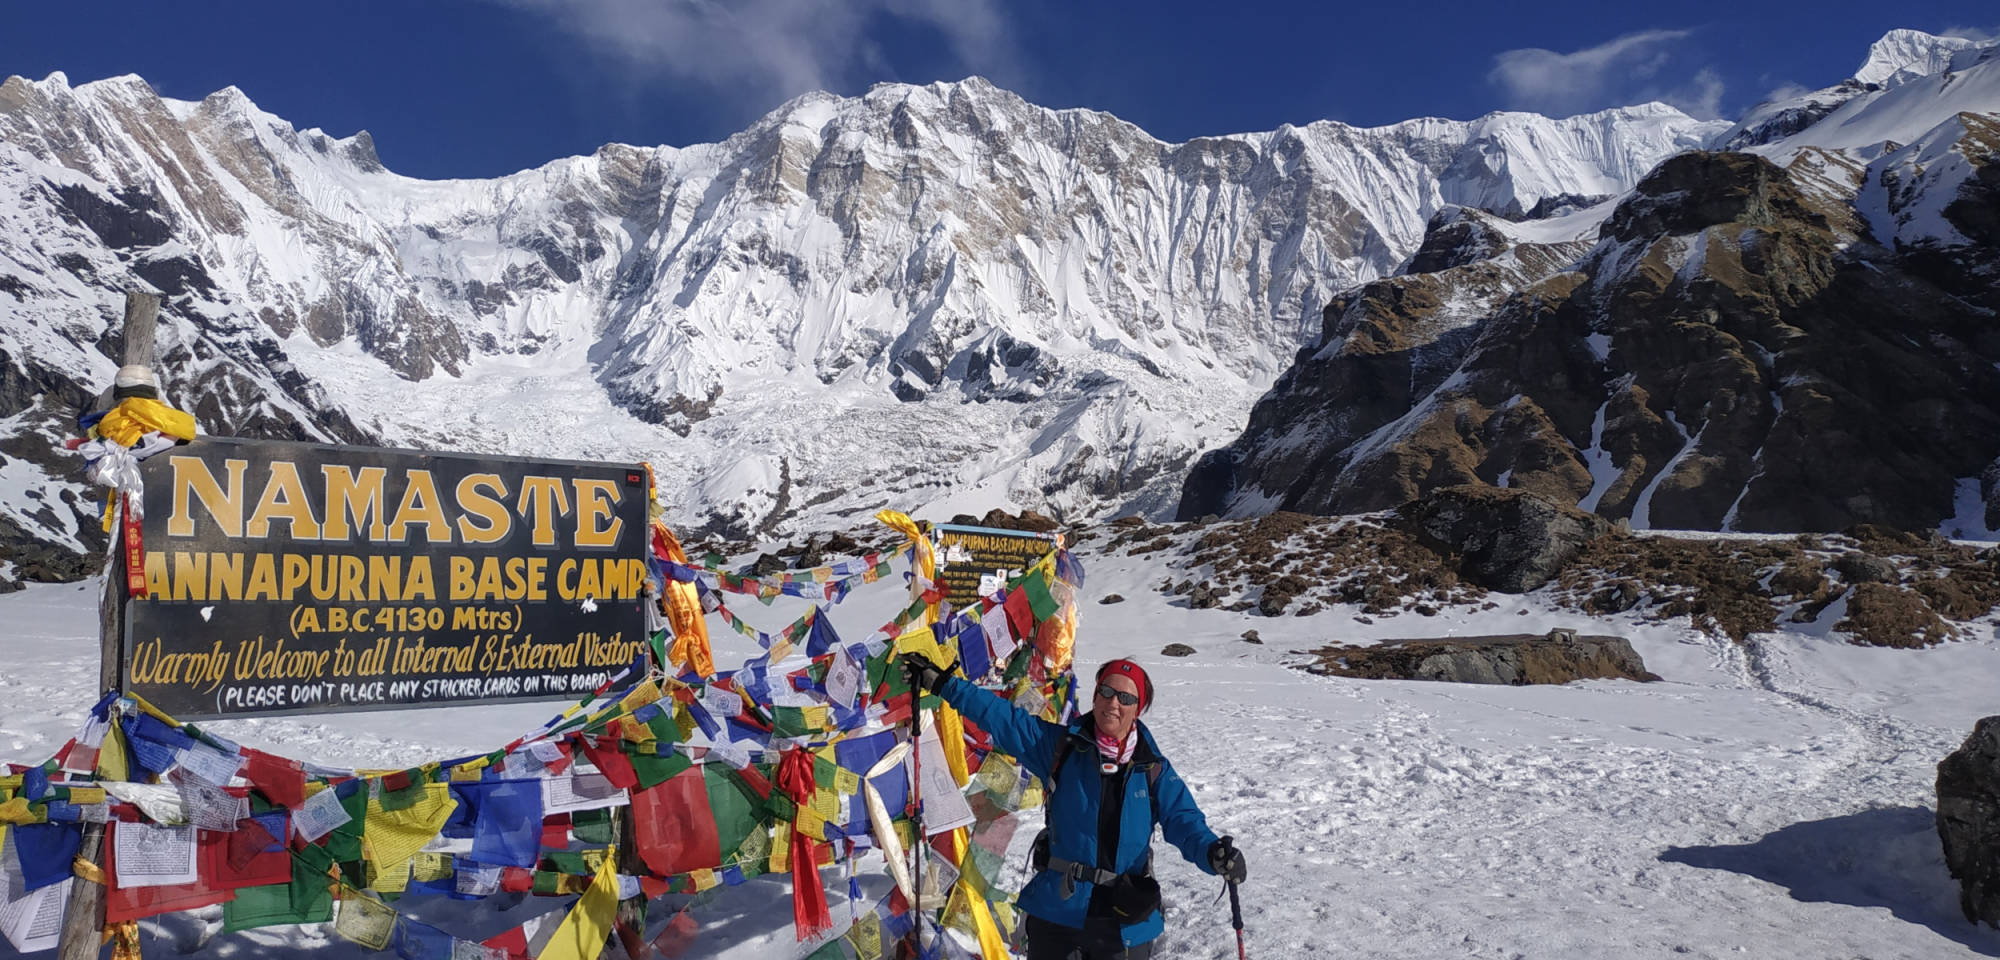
[(1064, 748)]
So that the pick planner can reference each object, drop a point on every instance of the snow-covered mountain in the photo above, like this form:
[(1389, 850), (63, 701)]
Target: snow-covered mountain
[(938, 296), (1797, 336)]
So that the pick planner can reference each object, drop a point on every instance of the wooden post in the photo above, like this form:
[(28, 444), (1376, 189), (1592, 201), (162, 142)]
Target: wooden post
[(632, 912), (83, 921)]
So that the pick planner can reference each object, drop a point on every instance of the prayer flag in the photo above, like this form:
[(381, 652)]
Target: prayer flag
[(693, 820), (307, 898), (583, 932)]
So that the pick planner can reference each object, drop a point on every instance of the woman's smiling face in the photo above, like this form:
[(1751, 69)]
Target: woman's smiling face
[(1115, 719)]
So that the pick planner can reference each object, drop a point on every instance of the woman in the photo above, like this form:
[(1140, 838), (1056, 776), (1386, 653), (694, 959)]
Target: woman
[(1093, 896)]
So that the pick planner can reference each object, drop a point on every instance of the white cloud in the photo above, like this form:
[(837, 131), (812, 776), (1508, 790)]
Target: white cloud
[(1975, 34), (1620, 72), (758, 51), (1700, 97)]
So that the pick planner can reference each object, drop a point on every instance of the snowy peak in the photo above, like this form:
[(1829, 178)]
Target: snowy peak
[(1903, 55)]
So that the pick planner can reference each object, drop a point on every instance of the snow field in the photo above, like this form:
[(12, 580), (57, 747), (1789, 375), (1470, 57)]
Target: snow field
[(1768, 799)]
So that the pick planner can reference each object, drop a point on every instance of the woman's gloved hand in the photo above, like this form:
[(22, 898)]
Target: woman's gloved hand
[(1227, 861), (925, 677)]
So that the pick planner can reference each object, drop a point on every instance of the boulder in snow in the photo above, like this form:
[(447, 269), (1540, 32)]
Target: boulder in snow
[(1559, 657), (1506, 540), (1968, 820)]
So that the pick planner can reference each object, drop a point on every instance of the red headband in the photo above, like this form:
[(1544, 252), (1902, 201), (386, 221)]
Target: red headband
[(1133, 672)]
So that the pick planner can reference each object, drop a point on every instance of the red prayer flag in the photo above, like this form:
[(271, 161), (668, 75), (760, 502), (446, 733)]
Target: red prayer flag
[(251, 856), (612, 762), (281, 781), (1020, 615), (677, 937), (672, 826), (133, 903), (555, 831)]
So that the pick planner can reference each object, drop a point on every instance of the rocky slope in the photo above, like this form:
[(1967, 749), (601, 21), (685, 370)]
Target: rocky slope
[(1802, 337), (925, 296)]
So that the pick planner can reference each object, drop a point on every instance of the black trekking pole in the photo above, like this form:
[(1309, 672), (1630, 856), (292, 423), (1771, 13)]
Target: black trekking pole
[(1235, 906), (917, 802)]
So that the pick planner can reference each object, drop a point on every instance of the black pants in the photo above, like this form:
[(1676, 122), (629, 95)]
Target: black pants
[(1098, 940)]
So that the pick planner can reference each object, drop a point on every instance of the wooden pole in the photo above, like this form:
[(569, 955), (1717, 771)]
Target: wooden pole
[(83, 920)]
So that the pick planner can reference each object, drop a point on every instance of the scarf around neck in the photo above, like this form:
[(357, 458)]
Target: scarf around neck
[(1118, 749)]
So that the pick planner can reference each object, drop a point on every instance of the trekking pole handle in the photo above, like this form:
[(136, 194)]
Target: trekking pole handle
[(1235, 905)]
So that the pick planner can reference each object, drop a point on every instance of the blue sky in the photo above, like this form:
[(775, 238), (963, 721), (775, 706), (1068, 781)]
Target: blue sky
[(484, 87)]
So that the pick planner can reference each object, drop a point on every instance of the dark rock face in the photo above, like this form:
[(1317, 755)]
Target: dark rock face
[(1968, 820), (1455, 237), (1514, 661), (1737, 351), (1506, 540)]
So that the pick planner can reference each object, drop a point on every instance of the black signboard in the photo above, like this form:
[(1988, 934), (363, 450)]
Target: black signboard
[(296, 577), (971, 553)]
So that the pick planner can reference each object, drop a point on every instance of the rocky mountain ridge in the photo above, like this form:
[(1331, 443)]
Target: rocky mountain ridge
[(935, 297), (1797, 336)]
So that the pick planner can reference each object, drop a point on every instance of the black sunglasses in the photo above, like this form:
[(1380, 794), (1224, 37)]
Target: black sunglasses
[(1109, 692)]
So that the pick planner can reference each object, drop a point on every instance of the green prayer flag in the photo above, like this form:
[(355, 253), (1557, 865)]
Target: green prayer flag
[(344, 843), (1039, 599), (834, 949), (591, 826), (308, 898), (567, 861), (733, 805), (789, 722), (655, 769)]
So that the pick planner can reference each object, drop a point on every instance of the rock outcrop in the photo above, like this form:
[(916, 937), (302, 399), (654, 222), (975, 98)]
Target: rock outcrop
[(1559, 657), (1794, 337), (1968, 820), (1741, 349), (1506, 540)]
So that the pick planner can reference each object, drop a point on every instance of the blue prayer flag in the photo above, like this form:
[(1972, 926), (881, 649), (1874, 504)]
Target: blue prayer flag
[(45, 851), (823, 638), (421, 941)]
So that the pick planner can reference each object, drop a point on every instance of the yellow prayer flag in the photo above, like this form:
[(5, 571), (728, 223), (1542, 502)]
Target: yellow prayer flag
[(951, 736), (781, 849), (18, 811), (919, 639), (394, 836), (390, 878), (641, 695), (111, 757), (704, 879), (366, 921), (846, 781), (425, 867), (866, 936), (582, 934)]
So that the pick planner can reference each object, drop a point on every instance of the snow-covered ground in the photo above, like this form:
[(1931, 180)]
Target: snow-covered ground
[(1773, 799)]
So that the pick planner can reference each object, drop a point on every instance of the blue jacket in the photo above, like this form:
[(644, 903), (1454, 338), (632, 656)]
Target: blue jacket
[(1073, 804)]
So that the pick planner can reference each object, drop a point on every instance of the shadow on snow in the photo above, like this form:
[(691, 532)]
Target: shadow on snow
[(1888, 857)]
